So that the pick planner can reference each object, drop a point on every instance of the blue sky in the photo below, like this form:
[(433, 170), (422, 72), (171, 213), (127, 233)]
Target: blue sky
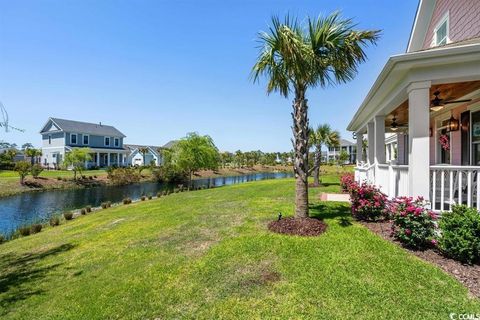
[(157, 70)]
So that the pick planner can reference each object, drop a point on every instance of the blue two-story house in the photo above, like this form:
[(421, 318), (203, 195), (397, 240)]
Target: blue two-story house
[(60, 136)]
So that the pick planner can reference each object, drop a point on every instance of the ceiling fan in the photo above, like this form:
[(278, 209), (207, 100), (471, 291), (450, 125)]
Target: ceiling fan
[(437, 103)]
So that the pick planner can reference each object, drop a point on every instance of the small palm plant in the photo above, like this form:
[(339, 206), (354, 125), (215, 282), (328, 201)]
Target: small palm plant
[(322, 135), (293, 57)]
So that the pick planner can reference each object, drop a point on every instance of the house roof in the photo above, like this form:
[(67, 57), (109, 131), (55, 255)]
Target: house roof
[(423, 16), (85, 127), (398, 72), (344, 143), (132, 147)]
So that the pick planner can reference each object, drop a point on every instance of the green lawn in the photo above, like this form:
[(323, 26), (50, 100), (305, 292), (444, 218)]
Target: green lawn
[(207, 254), (53, 173)]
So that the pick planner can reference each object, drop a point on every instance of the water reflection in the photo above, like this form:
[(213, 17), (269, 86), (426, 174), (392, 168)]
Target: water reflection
[(40, 206)]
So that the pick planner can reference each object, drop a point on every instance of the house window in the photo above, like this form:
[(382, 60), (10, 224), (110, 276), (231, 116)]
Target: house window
[(441, 31), (116, 142), (86, 139), (476, 138), (73, 138), (49, 139), (107, 141)]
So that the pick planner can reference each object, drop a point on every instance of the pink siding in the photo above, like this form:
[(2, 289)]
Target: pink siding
[(464, 19), (455, 137)]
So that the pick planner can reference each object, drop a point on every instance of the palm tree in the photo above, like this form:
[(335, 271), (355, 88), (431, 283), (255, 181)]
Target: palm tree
[(32, 153), (143, 151), (294, 58), (323, 135)]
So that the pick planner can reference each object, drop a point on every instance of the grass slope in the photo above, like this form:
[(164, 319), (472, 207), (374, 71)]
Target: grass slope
[(207, 254)]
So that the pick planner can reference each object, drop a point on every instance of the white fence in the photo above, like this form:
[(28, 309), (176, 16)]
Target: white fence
[(391, 179), (451, 185)]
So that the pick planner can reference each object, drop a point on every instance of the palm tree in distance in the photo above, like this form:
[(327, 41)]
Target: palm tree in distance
[(294, 57), (143, 151), (323, 135)]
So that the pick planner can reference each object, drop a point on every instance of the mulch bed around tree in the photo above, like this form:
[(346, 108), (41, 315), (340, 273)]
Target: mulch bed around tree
[(468, 275), (298, 226)]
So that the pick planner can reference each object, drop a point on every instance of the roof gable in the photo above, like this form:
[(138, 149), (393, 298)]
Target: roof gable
[(81, 127), (421, 24)]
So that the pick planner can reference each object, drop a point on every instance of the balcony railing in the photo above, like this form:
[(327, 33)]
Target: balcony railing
[(451, 185)]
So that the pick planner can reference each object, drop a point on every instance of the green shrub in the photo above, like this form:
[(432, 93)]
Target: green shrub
[(88, 208), (68, 215), (59, 178), (36, 228), (90, 178), (64, 179), (413, 224), (127, 200), (123, 176), (159, 194), (149, 197), (83, 211), (2, 238), (104, 205), (24, 231), (143, 198), (460, 234), (35, 170), (54, 221)]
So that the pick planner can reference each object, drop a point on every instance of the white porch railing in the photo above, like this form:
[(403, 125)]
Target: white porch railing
[(391, 179), (365, 173), (451, 185)]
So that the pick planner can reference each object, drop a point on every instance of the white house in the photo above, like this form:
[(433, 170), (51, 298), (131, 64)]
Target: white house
[(430, 97), (333, 153), (140, 155)]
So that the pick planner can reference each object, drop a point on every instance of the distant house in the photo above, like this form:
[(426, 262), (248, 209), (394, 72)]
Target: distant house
[(60, 136), (140, 155), (333, 153), (19, 154)]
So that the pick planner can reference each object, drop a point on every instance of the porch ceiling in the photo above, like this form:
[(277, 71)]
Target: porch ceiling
[(448, 91)]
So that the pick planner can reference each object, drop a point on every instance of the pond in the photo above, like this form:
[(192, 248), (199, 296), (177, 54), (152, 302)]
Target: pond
[(27, 208)]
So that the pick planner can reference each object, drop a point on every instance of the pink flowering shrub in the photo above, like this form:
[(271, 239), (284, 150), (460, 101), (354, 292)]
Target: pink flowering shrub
[(368, 202), (347, 181), (413, 224)]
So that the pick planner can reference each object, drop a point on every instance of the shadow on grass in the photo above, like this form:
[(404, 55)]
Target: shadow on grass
[(21, 274), (336, 211)]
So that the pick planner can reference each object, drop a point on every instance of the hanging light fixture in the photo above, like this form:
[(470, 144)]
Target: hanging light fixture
[(394, 125), (452, 124)]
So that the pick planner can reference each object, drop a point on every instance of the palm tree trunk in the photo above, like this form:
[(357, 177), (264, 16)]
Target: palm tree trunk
[(300, 146), (316, 164)]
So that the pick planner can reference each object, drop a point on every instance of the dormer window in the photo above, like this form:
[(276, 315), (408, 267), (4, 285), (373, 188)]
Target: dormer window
[(107, 141), (73, 138), (441, 31), (116, 142), (86, 139)]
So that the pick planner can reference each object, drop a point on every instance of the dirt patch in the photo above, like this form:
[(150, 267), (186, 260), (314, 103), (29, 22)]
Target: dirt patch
[(298, 226), (468, 275)]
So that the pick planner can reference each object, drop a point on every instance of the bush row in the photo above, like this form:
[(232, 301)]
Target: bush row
[(455, 235)]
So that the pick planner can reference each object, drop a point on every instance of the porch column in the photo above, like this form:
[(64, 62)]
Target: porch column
[(118, 159), (359, 148), (379, 122), (98, 159), (418, 139), (108, 159), (371, 143)]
